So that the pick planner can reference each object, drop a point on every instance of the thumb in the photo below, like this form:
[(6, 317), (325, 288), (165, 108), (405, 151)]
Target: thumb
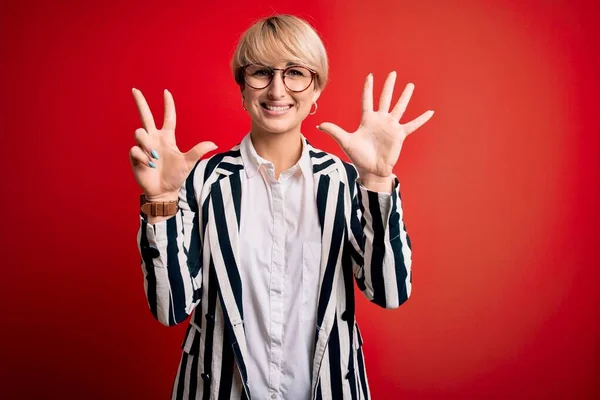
[(198, 151), (337, 133)]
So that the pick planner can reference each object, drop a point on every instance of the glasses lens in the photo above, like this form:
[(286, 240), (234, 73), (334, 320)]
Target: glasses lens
[(257, 76), (297, 78)]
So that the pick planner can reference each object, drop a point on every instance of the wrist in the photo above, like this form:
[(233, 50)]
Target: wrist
[(164, 205), (377, 183), (366, 177), (172, 196)]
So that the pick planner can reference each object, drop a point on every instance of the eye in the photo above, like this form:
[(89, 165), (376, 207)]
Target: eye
[(297, 72), (258, 71), (262, 72)]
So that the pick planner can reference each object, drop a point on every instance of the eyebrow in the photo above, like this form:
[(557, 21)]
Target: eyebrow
[(288, 64)]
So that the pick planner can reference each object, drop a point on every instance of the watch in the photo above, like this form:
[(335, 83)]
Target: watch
[(158, 208)]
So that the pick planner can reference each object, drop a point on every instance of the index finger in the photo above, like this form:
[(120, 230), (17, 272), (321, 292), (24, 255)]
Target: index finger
[(416, 123), (144, 110), (367, 99), (170, 117)]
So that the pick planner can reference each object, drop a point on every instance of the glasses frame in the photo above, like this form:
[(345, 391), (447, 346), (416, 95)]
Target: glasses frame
[(313, 74)]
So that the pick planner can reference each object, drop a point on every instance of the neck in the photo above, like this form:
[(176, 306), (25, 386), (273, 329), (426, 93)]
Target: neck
[(282, 149)]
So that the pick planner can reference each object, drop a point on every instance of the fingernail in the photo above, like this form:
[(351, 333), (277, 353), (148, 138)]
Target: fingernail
[(319, 127), (154, 154), (133, 90), (152, 164)]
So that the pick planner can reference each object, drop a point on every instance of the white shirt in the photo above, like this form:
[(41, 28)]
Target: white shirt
[(280, 252)]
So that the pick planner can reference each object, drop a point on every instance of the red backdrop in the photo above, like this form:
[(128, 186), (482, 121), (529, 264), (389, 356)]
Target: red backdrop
[(500, 188)]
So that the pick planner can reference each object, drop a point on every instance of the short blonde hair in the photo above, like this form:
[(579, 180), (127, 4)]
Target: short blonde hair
[(277, 38)]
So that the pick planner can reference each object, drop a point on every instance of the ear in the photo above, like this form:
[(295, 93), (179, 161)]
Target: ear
[(316, 94)]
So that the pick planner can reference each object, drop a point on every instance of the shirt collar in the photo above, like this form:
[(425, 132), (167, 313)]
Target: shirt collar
[(252, 161)]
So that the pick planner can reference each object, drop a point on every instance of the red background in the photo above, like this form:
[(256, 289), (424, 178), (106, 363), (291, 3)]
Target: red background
[(500, 188)]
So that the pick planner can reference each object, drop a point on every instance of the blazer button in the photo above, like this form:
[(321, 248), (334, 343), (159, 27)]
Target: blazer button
[(349, 373), (151, 251), (210, 317), (345, 316), (205, 376)]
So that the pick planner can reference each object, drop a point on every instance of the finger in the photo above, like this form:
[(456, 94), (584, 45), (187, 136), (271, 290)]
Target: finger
[(416, 123), (198, 151), (402, 103), (144, 110), (367, 99), (138, 157), (169, 122), (386, 94), (143, 140), (337, 133)]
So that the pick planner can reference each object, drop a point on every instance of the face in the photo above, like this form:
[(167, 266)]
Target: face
[(275, 109)]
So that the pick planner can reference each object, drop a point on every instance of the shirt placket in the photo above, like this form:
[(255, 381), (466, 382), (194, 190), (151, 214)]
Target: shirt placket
[(276, 288)]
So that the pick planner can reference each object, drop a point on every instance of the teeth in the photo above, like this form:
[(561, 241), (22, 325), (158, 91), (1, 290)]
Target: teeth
[(278, 108)]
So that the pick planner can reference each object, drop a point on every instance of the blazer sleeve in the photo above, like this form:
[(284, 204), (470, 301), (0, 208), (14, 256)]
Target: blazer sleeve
[(171, 258), (380, 248)]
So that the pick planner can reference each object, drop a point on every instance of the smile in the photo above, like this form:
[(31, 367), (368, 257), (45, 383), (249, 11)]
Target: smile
[(275, 110)]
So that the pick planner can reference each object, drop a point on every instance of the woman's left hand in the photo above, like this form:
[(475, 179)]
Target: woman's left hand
[(375, 146)]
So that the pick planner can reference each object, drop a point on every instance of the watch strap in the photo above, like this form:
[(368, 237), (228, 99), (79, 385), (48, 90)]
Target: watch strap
[(158, 208)]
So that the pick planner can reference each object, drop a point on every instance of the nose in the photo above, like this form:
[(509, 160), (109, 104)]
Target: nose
[(277, 89)]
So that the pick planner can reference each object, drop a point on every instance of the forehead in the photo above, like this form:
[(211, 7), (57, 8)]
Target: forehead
[(280, 64)]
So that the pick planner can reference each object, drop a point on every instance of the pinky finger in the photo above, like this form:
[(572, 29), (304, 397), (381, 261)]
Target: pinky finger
[(416, 123), (137, 156)]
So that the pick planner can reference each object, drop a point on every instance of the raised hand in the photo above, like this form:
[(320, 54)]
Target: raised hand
[(159, 167), (375, 146)]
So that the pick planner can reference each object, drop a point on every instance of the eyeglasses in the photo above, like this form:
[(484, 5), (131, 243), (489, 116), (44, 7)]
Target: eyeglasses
[(295, 78)]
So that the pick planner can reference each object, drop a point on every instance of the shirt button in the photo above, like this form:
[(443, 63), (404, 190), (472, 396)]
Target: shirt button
[(273, 396)]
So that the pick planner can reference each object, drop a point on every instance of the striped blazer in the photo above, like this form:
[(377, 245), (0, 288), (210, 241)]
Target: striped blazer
[(190, 265)]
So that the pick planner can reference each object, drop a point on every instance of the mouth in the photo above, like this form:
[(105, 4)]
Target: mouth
[(278, 109)]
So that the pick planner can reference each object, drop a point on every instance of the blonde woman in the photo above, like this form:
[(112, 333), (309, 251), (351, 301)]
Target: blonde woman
[(261, 244)]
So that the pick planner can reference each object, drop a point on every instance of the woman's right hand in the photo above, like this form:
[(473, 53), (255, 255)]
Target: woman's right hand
[(159, 167)]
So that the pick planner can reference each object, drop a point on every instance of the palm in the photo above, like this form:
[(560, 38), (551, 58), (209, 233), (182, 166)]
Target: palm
[(374, 148), (170, 173), (173, 166)]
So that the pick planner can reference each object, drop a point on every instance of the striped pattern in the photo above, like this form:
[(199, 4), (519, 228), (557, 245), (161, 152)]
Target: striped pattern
[(190, 264)]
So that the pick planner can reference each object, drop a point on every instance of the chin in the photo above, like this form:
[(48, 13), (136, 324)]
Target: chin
[(278, 127)]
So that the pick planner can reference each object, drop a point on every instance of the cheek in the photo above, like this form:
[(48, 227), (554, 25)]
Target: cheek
[(249, 96), (305, 102)]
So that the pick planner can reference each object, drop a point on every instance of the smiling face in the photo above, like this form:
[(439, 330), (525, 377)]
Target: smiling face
[(278, 42), (276, 109)]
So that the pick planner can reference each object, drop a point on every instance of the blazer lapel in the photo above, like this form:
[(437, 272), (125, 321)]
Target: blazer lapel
[(329, 193), (224, 225)]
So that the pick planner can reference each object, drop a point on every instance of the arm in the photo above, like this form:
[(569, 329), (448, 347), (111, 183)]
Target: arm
[(171, 260), (379, 245), (380, 248)]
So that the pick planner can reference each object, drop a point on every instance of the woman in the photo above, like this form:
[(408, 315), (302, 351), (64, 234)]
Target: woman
[(260, 244)]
